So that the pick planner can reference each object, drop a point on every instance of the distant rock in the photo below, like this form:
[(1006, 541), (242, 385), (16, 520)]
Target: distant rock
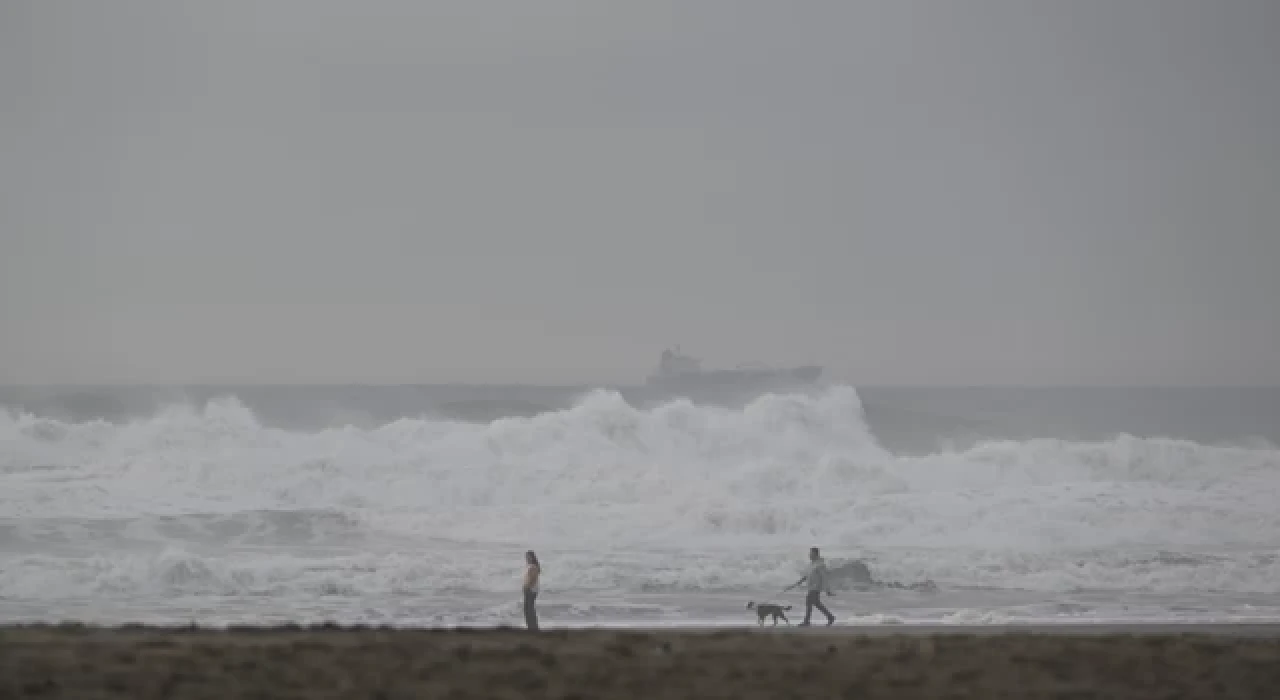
[(856, 575)]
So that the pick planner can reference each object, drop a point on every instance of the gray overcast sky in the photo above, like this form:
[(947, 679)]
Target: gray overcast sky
[(977, 192)]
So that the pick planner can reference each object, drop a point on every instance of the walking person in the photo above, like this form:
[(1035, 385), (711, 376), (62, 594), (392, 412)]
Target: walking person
[(532, 574), (819, 581)]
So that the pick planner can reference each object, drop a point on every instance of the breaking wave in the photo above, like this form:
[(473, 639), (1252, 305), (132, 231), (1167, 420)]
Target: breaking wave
[(206, 499)]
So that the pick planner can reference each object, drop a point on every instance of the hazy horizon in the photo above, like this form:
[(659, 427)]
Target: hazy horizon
[(989, 193)]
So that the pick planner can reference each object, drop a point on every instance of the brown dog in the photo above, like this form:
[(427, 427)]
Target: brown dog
[(764, 610)]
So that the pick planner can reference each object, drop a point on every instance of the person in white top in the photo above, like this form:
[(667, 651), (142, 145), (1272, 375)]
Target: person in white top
[(817, 578), (532, 573)]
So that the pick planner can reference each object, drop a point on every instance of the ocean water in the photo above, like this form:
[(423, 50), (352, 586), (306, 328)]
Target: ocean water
[(414, 505)]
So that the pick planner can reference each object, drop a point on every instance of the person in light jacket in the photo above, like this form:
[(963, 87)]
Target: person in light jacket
[(818, 580)]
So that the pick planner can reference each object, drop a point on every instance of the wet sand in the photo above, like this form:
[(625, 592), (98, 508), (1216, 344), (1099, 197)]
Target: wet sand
[(1219, 661)]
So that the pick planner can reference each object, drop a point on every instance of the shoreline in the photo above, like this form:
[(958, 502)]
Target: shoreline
[(1246, 629), (70, 660)]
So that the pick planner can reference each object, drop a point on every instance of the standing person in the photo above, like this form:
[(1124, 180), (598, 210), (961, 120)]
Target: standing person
[(818, 582), (532, 573)]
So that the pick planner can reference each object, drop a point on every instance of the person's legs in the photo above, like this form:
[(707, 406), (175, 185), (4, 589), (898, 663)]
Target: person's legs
[(530, 613), (810, 601), (817, 603)]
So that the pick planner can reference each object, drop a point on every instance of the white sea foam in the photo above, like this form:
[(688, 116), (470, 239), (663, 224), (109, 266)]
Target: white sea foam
[(207, 501)]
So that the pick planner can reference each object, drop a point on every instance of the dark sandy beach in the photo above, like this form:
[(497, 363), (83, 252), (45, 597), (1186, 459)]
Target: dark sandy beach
[(331, 662)]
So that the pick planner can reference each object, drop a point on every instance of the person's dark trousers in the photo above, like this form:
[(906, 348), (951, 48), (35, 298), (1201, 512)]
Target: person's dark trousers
[(814, 600), (530, 614)]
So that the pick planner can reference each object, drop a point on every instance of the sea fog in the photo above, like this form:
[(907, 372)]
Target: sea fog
[(412, 505)]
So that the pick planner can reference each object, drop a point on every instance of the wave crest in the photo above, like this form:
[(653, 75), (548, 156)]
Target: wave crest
[(785, 471)]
